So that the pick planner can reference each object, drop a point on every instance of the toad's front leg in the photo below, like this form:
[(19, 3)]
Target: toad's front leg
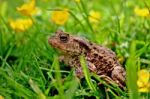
[(67, 60), (61, 58), (79, 70)]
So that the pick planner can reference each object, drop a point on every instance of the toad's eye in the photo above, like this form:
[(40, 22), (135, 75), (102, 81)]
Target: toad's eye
[(64, 37)]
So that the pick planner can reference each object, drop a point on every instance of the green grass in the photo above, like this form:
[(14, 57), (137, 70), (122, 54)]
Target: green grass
[(29, 66)]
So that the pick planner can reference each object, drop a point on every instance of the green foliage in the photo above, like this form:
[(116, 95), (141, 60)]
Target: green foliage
[(30, 68)]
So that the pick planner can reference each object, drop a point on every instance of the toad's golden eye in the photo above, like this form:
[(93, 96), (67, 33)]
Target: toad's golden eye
[(64, 38)]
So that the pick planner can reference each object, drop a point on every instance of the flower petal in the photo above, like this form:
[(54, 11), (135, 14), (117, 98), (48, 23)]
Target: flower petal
[(144, 12), (60, 17), (143, 75), (28, 9)]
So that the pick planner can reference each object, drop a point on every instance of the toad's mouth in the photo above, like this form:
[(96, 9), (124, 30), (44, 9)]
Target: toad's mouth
[(57, 46)]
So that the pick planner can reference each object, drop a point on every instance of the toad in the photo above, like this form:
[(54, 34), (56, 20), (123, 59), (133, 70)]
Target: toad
[(100, 60)]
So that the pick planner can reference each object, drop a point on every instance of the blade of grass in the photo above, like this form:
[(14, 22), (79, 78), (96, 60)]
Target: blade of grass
[(1, 44), (8, 53), (113, 93), (114, 87), (58, 77), (131, 69), (86, 16), (118, 30), (23, 91), (39, 70), (36, 89), (146, 61), (86, 73), (73, 15), (72, 88), (142, 50)]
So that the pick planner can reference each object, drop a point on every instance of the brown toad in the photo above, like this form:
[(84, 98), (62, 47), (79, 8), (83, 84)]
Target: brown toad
[(100, 60)]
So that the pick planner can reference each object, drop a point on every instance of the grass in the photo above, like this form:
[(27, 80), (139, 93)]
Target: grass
[(29, 66)]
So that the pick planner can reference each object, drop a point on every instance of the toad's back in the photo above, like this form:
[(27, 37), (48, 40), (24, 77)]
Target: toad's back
[(103, 58)]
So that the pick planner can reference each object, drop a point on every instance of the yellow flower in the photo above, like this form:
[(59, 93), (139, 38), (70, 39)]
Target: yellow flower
[(77, 1), (94, 16), (60, 17), (144, 12), (143, 81), (20, 25), (1, 97), (28, 9)]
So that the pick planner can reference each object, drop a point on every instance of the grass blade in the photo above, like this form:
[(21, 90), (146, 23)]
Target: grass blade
[(86, 73), (131, 69)]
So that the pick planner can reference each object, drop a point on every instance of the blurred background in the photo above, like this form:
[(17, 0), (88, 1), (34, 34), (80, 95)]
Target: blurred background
[(27, 62)]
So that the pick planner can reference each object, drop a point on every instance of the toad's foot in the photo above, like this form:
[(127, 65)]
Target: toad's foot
[(118, 75)]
